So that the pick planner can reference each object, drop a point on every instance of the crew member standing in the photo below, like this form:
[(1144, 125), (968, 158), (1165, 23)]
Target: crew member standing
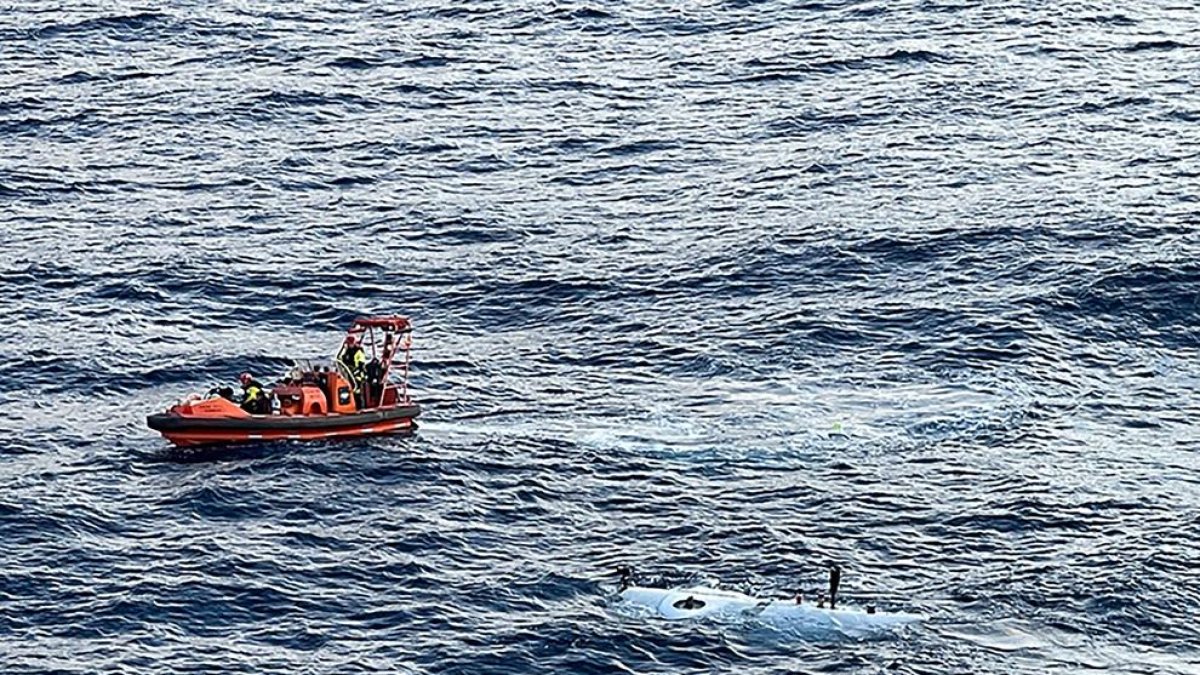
[(355, 360)]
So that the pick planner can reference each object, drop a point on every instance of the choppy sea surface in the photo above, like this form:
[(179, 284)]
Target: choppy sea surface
[(724, 291)]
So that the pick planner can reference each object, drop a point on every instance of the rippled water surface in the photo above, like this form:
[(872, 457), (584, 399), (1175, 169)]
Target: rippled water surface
[(722, 291)]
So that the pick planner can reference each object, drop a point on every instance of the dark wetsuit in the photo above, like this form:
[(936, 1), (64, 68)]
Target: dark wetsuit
[(374, 388)]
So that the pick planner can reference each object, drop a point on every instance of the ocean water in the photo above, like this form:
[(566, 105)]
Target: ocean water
[(723, 291)]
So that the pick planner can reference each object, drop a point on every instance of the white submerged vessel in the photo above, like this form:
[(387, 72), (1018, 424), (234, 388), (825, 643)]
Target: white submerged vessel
[(698, 602)]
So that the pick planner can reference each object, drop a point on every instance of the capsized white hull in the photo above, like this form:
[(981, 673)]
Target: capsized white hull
[(699, 602)]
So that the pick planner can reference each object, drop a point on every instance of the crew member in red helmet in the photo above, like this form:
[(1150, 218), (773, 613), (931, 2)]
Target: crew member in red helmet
[(355, 360), (352, 355), (254, 398)]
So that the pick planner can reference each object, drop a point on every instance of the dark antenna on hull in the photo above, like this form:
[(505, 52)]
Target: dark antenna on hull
[(835, 580)]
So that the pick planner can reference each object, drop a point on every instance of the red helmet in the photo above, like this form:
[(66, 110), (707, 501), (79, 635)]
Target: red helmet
[(245, 378), (351, 341)]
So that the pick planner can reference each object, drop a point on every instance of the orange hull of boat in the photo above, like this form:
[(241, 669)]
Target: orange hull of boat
[(218, 420), (212, 436)]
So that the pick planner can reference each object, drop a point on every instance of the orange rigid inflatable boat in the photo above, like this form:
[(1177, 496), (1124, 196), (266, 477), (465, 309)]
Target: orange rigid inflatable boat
[(313, 401)]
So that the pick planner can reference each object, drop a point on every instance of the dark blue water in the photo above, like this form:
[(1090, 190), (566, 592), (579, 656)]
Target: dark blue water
[(724, 291)]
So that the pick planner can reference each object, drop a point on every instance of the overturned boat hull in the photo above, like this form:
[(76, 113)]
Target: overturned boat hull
[(699, 602)]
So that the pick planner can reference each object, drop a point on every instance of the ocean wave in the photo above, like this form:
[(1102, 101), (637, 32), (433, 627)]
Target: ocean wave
[(725, 293)]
